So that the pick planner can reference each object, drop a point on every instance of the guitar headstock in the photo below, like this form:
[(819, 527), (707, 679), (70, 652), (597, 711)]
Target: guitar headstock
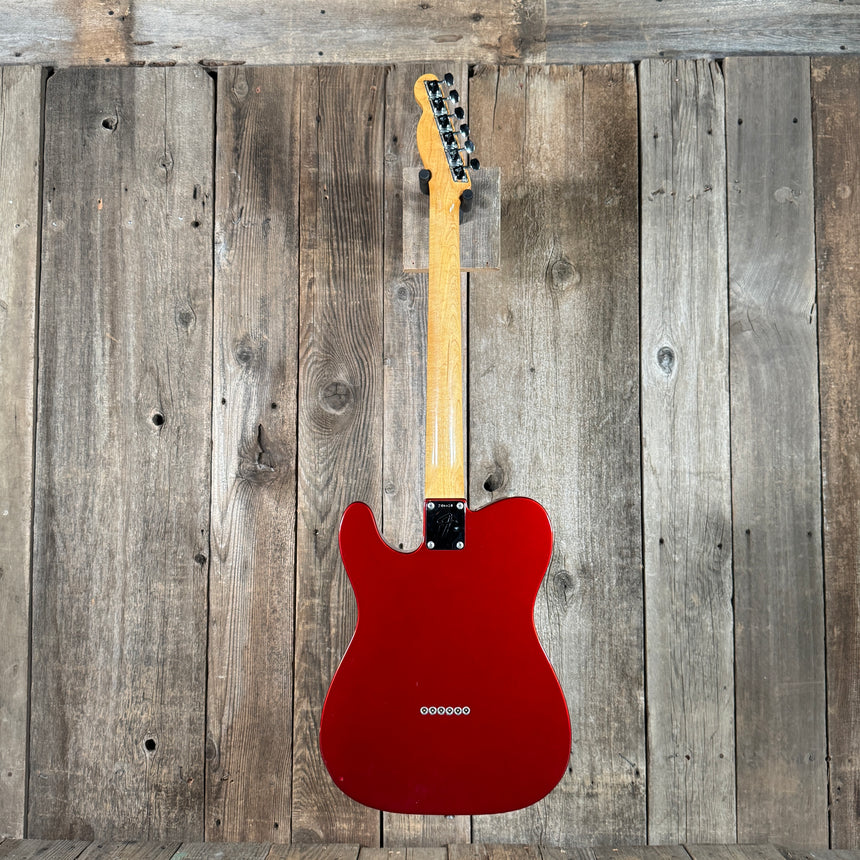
[(443, 138)]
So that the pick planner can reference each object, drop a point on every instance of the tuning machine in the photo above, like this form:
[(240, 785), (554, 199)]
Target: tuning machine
[(458, 113)]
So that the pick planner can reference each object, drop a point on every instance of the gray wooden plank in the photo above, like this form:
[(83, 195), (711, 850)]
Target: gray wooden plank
[(592, 31), (404, 375), (821, 854), (339, 408), (734, 852), (42, 849), (554, 415), (252, 569), (222, 851), (641, 852), (311, 851), (467, 851), (259, 32), (776, 478), (479, 228), (122, 516), (20, 112), (130, 850), (439, 852), (500, 851), (370, 852), (686, 458), (550, 852), (836, 110)]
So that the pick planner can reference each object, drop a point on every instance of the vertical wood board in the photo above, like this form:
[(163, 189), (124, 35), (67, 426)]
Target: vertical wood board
[(249, 739), (20, 113), (121, 519), (779, 614), (836, 110), (686, 457), (339, 408), (554, 415)]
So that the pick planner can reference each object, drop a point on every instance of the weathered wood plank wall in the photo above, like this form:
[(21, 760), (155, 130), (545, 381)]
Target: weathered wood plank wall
[(262, 32), (686, 476), (230, 352), (20, 121), (836, 117), (121, 521), (776, 470)]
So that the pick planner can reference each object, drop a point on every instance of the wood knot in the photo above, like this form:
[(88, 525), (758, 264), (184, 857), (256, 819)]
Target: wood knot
[(561, 275), (246, 352), (337, 397), (497, 476), (240, 85), (666, 359), (185, 318), (563, 586)]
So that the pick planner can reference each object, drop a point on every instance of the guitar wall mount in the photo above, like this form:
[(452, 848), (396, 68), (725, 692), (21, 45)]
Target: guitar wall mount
[(466, 198)]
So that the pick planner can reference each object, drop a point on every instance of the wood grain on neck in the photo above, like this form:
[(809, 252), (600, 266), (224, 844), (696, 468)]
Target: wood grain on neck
[(444, 471)]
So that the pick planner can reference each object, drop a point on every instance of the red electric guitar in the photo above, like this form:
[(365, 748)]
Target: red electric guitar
[(445, 702)]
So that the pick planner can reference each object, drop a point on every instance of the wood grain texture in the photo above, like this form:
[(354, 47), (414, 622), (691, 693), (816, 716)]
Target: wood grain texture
[(220, 32), (222, 851), (591, 31), (43, 849), (642, 852), (311, 851), (129, 850), (554, 415), (252, 569), (779, 614), (835, 84), (686, 458), (479, 229), (734, 852), (444, 442), (339, 408), (404, 379), (122, 516), (20, 113)]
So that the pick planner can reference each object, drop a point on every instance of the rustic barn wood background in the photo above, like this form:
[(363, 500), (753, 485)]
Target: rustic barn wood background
[(209, 346)]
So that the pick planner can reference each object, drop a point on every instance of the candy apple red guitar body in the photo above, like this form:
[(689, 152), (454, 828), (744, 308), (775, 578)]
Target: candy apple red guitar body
[(445, 702)]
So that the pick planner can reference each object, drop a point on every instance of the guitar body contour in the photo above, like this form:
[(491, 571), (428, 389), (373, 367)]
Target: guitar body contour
[(445, 702)]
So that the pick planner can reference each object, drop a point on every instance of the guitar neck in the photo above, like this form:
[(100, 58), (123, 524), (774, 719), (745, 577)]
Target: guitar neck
[(444, 469)]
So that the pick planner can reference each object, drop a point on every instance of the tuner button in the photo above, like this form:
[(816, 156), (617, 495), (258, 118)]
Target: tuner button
[(469, 146), (454, 96), (449, 79), (459, 112), (464, 129), (474, 163)]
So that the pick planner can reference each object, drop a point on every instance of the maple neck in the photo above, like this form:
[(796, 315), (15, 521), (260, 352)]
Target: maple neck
[(444, 462)]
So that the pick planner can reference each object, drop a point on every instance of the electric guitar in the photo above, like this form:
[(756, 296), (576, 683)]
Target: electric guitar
[(444, 702)]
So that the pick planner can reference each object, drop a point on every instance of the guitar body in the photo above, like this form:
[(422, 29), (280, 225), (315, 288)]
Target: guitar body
[(445, 702)]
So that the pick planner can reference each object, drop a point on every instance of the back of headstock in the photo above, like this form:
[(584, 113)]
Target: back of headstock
[(443, 140)]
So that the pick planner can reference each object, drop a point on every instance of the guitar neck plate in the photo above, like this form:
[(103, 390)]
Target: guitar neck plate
[(445, 524)]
